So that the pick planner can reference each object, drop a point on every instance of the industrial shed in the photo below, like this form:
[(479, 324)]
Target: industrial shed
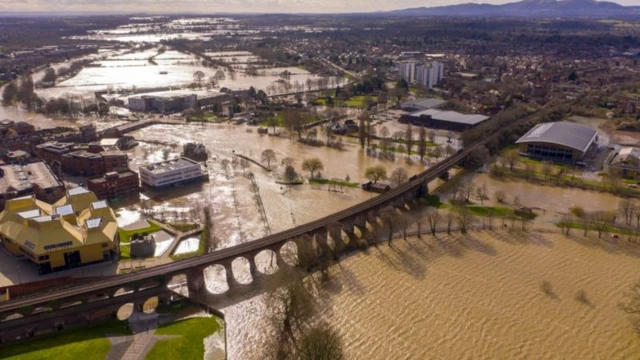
[(447, 120), (558, 141)]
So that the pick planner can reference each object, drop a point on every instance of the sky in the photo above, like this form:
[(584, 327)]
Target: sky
[(243, 6)]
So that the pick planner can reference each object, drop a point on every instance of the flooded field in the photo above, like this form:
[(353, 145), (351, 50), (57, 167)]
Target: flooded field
[(549, 202), (175, 69), (474, 297), (236, 212)]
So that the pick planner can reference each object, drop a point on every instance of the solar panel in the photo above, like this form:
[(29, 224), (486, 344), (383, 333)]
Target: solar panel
[(93, 223), (99, 205), (64, 210)]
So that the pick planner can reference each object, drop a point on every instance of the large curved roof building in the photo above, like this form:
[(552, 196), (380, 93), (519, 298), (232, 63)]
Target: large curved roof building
[(558, 141)]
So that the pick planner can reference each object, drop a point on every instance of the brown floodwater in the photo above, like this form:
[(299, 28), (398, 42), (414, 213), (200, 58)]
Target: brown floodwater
[(549, 202), (475, 297), (236, 213)]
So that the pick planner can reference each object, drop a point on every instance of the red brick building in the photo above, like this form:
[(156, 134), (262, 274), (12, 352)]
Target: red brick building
[(114, 185)]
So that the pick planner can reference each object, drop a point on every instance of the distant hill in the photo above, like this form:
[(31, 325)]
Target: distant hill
[(529, 8)]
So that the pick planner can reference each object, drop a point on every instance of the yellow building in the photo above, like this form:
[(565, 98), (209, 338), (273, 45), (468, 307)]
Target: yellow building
[(77, 230)]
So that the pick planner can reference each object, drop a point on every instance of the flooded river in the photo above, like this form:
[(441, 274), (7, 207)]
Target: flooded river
[(477, 297)]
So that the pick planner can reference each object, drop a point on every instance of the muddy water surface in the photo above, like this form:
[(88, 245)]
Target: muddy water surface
[(477, 297)]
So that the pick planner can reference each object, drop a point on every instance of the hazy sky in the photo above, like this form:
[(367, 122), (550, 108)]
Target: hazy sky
[(209, 6)]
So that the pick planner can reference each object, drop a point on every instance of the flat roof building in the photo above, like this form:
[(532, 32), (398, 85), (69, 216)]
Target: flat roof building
[(447, 120), (76, 231), (422, 104), (31, 179), (172, 172), (558, 141)]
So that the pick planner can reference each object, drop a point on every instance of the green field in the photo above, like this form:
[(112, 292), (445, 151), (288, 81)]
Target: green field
[(125, 237), (188, 343), (86, 344)]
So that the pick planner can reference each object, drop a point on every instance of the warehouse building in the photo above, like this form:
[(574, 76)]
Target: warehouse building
[(558, 141), (446, 120), (76, 231), (171, 173)]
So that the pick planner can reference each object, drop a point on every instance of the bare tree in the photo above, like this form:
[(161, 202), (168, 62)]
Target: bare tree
[(450, 218), (433, 217), (268, 156), (627, 209), (468, 189), (418, 220), (482, 193), (408, 136), (321, 343), (500, 196), (631, 305), (465, 218), (399, 176), (390, 217), (422, 143), (404, 223)]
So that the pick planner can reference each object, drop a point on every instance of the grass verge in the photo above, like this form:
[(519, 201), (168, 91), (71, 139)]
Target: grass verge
[(86, 343), (189, 341), (125, 237)]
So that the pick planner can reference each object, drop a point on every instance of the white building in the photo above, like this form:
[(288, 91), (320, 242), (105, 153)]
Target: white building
[(407, 70), (171, 172), (429, 75)]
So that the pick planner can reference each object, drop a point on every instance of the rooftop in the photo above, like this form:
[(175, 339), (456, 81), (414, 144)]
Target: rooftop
[(180, 163), (564, 133), (22, 177), (425, 103), (451, 116)]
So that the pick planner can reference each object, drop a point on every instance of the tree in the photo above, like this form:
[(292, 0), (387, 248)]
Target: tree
[(295, 121), (631, 305), (432, 137), (433, 216), (272, 122), (482, 193), (291, 301), (384, 132), (290, 174), (198, 76), (399, 176), (268, 156), (468, 189), (437, 152), (9, 93), (362, 132), (628, 209), (312, 165), (500, 196), (390, 217), (465, 218), (49, 76), (244, 164), (375, 173), (512, 157), (422, 143), (288, 161), (408, 136), (449, 150), (25, 92), (321, 343)]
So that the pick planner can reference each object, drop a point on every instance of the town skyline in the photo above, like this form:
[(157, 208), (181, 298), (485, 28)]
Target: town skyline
[(237, 6)]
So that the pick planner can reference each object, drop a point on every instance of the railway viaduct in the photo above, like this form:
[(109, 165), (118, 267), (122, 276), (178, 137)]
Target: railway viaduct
[(83, 303)]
